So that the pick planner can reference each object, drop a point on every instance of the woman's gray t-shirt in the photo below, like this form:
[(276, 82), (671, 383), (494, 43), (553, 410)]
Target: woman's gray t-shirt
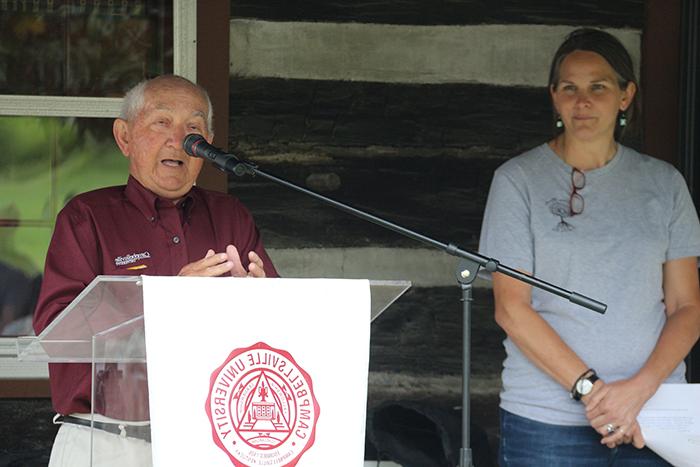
[(637, 215)]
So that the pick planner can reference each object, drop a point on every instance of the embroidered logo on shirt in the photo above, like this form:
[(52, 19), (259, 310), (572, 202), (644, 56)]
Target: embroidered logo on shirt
[(132, 258)]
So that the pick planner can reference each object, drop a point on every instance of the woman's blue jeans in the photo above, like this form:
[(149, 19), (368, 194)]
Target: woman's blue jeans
[(527, 443)]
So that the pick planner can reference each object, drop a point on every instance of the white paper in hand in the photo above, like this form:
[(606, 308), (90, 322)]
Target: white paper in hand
[(670, 423)]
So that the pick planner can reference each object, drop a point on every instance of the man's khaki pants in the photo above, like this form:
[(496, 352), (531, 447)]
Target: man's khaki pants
[(72, 448)]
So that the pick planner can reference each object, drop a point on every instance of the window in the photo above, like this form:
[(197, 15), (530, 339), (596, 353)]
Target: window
[(63, 67), (93, 48)]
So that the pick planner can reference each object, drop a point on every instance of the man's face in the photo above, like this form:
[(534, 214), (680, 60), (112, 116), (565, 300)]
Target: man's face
[(152, 140)]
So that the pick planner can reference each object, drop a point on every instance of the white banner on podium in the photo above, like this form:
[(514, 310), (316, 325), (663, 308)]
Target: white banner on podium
[(257, 372)]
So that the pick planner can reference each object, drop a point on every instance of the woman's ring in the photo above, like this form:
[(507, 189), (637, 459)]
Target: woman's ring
[(610, 428)]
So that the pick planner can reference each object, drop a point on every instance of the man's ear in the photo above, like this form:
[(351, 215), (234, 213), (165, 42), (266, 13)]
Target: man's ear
[(120, 130)]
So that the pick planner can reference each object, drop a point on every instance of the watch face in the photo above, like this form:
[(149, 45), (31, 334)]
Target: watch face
[(584, 386)]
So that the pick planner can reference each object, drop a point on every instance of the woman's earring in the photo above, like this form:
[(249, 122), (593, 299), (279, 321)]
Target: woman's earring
[(559, 123), (623, 119)]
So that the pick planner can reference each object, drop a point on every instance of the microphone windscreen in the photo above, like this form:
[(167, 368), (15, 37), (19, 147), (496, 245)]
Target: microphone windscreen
[(190, 143)]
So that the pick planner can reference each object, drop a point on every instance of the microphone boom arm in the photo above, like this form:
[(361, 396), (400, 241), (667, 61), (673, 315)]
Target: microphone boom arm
[(240, 167)]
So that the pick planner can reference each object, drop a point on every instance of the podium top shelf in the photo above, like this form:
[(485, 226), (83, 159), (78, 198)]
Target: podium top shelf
[(105, 322)]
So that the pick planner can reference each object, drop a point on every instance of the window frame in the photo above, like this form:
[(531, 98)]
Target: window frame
[(184, 64)]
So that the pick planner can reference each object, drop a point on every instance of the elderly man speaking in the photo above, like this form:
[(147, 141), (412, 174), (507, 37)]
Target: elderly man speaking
[(159, 223)]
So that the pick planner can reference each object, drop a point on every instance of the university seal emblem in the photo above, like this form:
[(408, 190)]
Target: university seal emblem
[(262, 407)]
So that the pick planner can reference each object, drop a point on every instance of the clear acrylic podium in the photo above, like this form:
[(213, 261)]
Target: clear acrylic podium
[(104, 327)]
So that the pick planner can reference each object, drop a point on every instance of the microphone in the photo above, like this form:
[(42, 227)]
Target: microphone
[(196, 145)]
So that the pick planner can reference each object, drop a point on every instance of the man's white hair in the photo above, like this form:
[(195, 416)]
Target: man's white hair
[(135, 99)]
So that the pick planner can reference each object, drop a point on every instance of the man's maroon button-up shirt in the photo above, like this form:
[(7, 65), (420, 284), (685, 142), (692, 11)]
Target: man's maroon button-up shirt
[(128, 230)]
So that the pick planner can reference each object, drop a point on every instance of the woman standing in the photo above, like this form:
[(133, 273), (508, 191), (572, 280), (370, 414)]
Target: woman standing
[(589, 214)]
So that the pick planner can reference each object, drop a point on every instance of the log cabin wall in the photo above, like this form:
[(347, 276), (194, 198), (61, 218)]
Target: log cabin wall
[(403, 109)]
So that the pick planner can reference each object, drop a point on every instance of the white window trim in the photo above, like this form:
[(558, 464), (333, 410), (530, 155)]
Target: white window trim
[(184, 64)]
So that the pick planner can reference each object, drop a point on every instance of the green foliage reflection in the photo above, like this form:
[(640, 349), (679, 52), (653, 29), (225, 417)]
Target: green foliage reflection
[(46, 162)]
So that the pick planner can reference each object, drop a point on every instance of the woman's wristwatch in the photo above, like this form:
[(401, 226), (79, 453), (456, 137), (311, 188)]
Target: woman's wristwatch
[(584, 384)]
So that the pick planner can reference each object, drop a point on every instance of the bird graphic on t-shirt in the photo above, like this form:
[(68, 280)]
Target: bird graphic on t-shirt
[(560, 208)]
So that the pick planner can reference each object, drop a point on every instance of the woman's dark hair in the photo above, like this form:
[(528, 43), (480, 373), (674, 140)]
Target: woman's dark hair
[(611, 49)]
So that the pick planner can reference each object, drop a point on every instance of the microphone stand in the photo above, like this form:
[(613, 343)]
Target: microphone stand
[(466, 273)]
